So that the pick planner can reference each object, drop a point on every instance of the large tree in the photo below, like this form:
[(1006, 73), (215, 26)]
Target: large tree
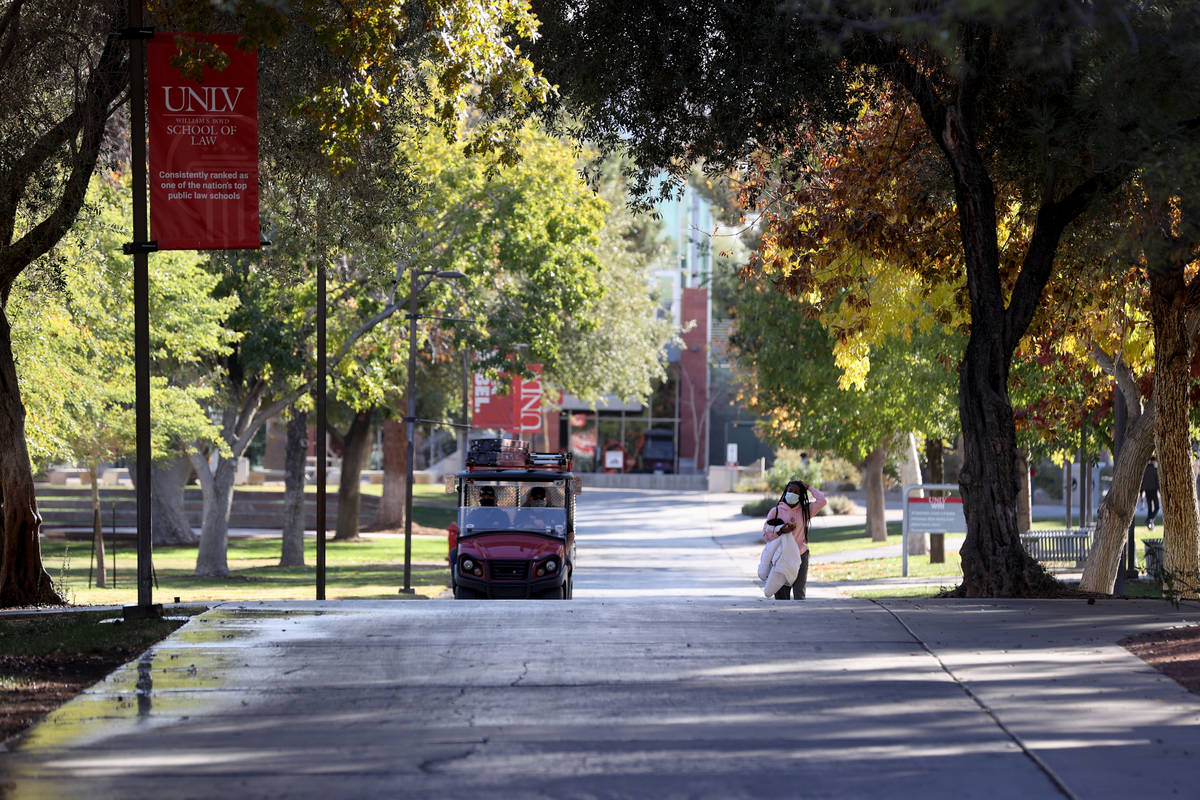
[(1063, 102), (63, 69)]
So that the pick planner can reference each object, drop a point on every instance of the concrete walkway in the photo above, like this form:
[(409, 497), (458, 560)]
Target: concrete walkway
[(696, 688), (715, 698)]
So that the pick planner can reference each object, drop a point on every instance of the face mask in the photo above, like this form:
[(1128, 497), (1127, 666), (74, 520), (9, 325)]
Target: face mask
[(791, 498)]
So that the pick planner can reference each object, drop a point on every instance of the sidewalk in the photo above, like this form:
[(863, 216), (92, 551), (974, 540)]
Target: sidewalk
[(674, 698), (704, 691)]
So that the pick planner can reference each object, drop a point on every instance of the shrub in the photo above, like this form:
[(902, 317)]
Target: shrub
[(788, 465), (840, 504), (820, 471), (756, 486), (759, 507)]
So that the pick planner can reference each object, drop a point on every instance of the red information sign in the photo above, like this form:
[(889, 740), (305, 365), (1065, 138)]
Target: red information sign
[(203, 149)]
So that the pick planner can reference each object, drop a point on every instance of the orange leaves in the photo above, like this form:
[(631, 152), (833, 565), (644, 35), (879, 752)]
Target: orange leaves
[(872, 186)]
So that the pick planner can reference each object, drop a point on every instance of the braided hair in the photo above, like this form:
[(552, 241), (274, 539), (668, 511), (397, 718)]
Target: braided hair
[(805, 499)]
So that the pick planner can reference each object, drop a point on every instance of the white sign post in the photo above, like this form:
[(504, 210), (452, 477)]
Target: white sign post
[(930, 515)]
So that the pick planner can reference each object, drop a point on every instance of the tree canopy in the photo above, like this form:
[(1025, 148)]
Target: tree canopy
[(1060, 105)]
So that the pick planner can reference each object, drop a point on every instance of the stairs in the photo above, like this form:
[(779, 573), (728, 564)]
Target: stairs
[(66, 507)]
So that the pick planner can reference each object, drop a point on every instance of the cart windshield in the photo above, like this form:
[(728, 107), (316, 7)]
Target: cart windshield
[(517, 506)]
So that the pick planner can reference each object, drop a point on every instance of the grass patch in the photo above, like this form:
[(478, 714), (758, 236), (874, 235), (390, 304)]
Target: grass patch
[(371, 568), (849, 537), (875, 568), (46, 659), (1150, 589), (427, 493), (908, 592), (79, 632)]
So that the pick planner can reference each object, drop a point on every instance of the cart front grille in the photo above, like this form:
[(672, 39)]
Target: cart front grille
[(509, 570)]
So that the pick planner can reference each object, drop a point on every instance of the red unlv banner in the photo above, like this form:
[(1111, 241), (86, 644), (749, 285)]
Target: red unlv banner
[(518, 410), (203, 149)]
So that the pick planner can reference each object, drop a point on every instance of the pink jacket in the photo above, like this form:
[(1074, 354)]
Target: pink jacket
[(796, 516)]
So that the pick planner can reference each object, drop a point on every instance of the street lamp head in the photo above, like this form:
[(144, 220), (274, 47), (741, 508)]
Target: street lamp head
[(449, 273)]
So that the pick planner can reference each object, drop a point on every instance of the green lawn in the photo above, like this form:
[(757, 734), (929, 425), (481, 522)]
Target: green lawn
[(909, 592), (372, 568), (849, 537), (871, 569), (423, 493)]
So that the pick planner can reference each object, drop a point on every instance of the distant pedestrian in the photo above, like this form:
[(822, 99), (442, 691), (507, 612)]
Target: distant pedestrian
[(794, 511), (1150, 490)]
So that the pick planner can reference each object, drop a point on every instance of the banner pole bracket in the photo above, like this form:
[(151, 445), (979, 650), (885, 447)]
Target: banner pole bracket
[(132, 248), (129, 34)]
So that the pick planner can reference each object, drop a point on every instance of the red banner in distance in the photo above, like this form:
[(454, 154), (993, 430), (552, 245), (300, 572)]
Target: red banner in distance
[(512, 403)]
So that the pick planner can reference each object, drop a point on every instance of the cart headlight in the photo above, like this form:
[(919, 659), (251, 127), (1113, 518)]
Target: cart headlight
[(551, 565), (467, 564)]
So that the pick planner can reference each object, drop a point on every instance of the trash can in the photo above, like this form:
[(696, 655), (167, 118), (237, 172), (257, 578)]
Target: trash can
[(1154, 558)]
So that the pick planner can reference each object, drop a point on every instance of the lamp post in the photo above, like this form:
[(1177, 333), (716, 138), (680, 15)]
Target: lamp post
[(410, 418)]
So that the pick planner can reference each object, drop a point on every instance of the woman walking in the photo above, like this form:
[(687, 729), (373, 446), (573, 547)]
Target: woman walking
[(794, 510)]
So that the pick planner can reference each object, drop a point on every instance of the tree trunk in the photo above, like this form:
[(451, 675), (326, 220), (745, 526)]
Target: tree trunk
[(356, 447), (1120, 504), (211, 557), (910, 474), (994, 562), (292, 549), (935, 460), (935, 472), (872, 470), (1024, 494), (169, 520), (23, 579), (97, 528), (1172, 361), (395, 472)]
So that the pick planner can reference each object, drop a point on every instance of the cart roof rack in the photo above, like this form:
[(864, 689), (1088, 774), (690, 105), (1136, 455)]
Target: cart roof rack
[(513, 454)]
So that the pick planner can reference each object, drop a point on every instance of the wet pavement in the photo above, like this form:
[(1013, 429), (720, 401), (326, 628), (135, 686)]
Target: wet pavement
[(697, 688)]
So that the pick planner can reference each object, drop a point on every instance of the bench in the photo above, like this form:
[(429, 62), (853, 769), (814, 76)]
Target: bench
[(1059, 545)]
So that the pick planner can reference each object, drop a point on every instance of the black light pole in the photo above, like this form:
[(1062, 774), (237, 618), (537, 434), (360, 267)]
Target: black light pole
[(140, 248), (322, 428), (410, 419)]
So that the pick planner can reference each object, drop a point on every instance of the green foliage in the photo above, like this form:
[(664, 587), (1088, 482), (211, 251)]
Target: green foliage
[(362, 54), (620, 346), (525, 235), (75, 354), (788, 466), (792, 380), (840, 504), (760, 507)]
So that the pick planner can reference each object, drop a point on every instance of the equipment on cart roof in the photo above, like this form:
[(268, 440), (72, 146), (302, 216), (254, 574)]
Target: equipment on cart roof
[(513, 454)]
